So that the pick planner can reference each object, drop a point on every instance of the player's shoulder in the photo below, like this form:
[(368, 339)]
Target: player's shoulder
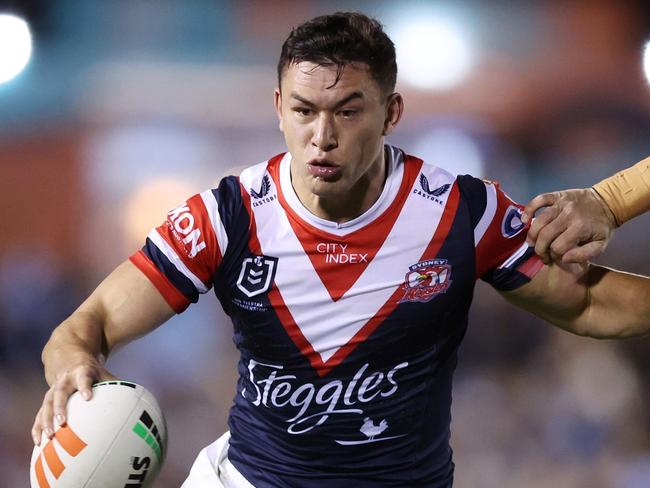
[(430, 178), (258, 180), (242, 177), (474, 192), (468, 185)]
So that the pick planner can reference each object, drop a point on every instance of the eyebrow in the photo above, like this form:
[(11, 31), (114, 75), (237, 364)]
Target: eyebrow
[(340, 103)]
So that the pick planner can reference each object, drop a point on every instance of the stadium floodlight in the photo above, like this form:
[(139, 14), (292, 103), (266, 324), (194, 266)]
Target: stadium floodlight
[(646, 60), (432, 53), (15, 46)]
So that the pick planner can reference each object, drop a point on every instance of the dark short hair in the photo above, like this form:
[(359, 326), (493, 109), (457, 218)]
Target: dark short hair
[(338, 40)]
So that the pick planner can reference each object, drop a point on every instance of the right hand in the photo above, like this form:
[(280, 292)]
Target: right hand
[(574, 227), (77, 373)]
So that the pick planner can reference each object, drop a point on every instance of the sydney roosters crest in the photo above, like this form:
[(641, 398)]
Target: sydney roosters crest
[(425, 280)]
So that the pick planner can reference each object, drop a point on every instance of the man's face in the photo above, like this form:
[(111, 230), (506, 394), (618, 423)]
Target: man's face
[(334, 133)]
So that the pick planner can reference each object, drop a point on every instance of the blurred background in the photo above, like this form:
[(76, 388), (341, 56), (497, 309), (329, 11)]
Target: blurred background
[(113, 112)]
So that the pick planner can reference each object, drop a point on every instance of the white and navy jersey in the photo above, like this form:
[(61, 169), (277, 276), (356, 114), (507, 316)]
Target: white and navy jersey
[(348, 332)]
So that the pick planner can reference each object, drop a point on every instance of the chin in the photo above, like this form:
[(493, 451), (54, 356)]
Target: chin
[(328, 189)]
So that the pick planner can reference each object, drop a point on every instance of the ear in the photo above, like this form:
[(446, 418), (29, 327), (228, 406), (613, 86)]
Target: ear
[(394, 109), (278, 106)]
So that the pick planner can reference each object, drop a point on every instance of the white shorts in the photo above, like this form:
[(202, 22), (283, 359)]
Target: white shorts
[(213, 469)]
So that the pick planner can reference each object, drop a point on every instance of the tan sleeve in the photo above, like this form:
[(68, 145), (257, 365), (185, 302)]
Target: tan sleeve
[(627, 193)]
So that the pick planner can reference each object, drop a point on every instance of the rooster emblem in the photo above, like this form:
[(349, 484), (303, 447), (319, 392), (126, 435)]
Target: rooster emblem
[(424, 183), (370, 430), (264, 189)]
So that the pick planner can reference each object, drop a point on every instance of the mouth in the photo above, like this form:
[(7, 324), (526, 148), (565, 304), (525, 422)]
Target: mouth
[(323, 168)]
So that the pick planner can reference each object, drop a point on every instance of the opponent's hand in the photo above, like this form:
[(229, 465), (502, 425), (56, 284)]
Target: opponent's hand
[(79, 373), (574, 227)]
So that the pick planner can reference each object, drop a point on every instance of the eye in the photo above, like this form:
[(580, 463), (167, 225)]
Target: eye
[(349, 113), (303, 111)]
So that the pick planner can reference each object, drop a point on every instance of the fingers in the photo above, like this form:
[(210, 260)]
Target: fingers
[(563, 241), (547, 235), (543, 200), (53, 409), (584, 253), (43, 421), (61, 391), (85, 385), (542, 220), (36, 429)]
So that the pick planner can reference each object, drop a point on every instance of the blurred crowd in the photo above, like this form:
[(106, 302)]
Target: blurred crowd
[(142, 128)]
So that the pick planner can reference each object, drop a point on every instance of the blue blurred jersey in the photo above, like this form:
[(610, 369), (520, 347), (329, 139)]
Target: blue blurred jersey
[(348, 333)]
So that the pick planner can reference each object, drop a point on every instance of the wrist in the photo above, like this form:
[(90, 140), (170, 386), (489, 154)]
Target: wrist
[(609, 214)]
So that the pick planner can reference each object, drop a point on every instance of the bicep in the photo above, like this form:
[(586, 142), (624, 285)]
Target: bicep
[(127, 304)]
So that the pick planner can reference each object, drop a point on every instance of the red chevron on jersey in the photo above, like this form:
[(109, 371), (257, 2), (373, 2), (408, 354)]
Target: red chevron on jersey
[(339, 260), (327, 330)]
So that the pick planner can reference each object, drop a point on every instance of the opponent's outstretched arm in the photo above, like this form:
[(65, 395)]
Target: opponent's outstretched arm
[(588, 300), (125, 306), (576, 225)]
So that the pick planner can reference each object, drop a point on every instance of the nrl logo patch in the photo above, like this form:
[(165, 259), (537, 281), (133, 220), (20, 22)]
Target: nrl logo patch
[(256, 275), (425, 280)]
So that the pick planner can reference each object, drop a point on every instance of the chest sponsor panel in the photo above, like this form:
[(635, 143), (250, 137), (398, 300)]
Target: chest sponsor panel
[(352, 409)]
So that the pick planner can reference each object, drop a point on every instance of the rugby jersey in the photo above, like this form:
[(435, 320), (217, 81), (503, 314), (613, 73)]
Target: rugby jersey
[(348, 332)]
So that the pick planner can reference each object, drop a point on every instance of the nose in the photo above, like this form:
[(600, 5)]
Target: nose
[(324, 137)]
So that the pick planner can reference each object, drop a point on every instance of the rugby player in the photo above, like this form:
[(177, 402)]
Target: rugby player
[(347, 267)]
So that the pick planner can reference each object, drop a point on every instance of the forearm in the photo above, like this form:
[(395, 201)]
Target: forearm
[(124, 307), (588, 300), (618, 304), (595, 301), (75, 339)]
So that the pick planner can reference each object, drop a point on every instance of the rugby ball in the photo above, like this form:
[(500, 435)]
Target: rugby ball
[(116, 439)]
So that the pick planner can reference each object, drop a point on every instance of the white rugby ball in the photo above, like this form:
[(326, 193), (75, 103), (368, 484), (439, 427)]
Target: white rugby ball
[(116, 439)]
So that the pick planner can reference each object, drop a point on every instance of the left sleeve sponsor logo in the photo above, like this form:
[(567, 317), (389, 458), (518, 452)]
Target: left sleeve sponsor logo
[(181, 222), (511, 225)]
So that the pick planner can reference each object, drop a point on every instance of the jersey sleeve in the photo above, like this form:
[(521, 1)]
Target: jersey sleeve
[(181, 256), (502, 256)]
